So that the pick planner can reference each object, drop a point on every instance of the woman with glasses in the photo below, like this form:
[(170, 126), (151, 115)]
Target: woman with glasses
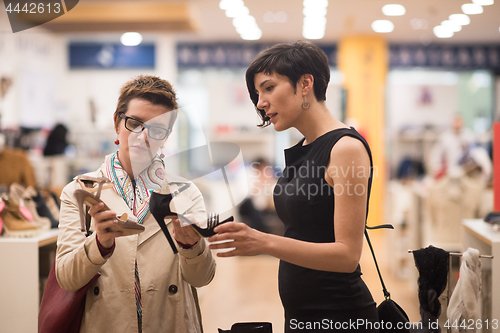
[(144, 286)]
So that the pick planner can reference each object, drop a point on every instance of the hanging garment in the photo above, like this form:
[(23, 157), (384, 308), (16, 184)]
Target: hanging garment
[(464, 302), (432, 264)]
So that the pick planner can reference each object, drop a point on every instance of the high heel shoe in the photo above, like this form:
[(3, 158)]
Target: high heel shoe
[(127, 225), (212, 222), (159, 206)]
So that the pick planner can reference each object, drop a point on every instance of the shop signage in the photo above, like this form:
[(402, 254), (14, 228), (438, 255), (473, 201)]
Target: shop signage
[(444, 56), (111, 56)]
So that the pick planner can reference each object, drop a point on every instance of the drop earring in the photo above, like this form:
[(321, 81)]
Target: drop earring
[(305, 104), (162, 156), (117, 142)]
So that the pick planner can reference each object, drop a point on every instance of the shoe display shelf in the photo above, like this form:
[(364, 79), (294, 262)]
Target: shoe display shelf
[(25, 263)]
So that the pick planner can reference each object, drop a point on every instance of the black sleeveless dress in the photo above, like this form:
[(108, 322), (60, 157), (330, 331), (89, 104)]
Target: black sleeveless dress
[(315, 300)]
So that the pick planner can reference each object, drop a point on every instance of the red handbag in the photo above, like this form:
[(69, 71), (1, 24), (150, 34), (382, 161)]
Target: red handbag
[(61, 310)]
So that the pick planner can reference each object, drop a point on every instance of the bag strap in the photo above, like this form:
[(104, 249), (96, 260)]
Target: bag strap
[(383, 226)]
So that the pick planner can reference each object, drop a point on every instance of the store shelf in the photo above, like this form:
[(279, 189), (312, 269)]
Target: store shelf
[(20, 282)]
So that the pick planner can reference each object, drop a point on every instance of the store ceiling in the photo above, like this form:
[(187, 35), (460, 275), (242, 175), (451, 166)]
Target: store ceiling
[(202, 20)]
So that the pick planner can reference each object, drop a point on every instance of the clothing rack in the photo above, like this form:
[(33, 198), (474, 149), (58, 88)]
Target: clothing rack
[(448, 291)]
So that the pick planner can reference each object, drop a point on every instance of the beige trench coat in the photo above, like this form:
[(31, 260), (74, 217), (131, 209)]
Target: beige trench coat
[(169, 303)]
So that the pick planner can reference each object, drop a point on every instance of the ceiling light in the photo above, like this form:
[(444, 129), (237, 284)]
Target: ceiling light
[(131, 38), (393, 10), (451, 26), (314, 11), (226, 4), (461, 19), (483, 2), (383, 26), (313, 33), (237, 11), (315, 21), (315, 3), (252, 35), (314, 24), (471, 9), (244, 21), (442, 32)]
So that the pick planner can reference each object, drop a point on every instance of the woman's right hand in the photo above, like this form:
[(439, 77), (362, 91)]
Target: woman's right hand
[(104, 218)]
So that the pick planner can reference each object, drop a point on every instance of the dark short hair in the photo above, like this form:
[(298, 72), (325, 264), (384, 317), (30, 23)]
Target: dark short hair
[(149, 88), (291, 60)]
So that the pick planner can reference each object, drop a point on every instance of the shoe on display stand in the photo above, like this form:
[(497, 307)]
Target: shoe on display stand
[(28, 207), (14, 223)]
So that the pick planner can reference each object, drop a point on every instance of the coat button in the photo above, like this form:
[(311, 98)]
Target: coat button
[(96, 291), (172, 289)]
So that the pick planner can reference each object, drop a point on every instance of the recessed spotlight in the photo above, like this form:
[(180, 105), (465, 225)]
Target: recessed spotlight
[(451, 26), (393, 10), (313, 33), (237, 11), (461, 19), (310, 11), (315, 3), (252, 35), (383, 26), (483, 2), (471, 9), (442, 32), (226, 4), (131, 39), (244, 21)]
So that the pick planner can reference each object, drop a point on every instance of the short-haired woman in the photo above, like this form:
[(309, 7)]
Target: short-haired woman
[(146, 283), (322, 197)]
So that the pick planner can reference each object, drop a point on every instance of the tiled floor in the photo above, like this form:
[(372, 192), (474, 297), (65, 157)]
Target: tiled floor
[(246, 289)]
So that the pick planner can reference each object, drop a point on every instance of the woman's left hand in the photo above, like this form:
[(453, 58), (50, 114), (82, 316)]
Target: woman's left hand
[(185, 234)]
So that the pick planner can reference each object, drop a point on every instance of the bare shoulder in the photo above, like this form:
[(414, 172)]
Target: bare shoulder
[(349, 162), (348, 147)]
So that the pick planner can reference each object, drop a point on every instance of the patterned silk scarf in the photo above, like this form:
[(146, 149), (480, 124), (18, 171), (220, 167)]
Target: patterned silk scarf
[(136, 192)]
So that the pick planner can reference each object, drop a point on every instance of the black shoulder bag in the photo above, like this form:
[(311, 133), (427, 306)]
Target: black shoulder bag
[(391, 316)]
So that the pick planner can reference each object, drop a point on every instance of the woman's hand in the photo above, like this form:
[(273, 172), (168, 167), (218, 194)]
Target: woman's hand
[(244, 240), (185, 234), (103, 220)]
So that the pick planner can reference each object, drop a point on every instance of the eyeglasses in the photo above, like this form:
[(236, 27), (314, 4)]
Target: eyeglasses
[(137, 126)]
